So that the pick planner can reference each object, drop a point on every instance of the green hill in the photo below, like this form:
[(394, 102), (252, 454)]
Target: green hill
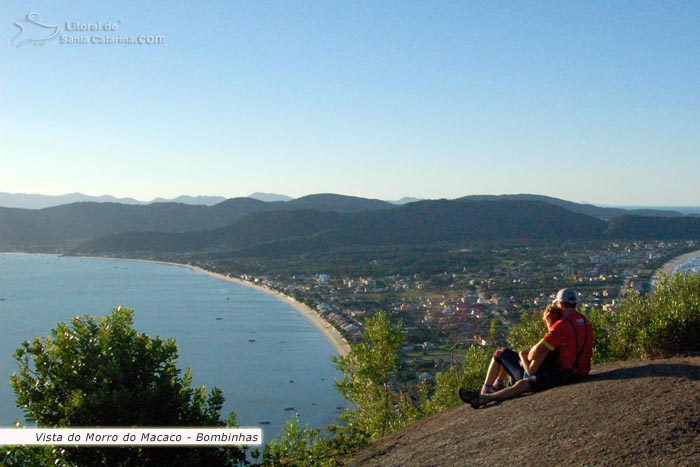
[(588, 209), (317, 223), (415, 224)]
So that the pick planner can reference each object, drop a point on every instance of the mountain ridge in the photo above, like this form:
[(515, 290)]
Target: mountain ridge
[(288, 232), (605, 213), (338, 221), (414, 224)]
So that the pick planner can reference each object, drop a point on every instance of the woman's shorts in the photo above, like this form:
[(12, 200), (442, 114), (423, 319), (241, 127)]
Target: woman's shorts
[(510, 360)]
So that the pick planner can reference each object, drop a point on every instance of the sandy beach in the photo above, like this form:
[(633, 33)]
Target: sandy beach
[(331, 333), (668, 268)]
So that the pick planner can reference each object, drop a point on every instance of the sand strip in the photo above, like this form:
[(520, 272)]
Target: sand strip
[(329, 331), (669, 267)]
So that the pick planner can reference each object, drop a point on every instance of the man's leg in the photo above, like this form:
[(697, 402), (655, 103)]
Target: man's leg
[(476, 400)]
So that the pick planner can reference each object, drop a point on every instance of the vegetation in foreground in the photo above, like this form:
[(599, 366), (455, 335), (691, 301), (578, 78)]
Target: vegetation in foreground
[(666, 322), (104, 373)]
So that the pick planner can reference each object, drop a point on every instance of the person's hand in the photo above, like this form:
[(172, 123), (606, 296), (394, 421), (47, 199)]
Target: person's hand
[(551, 315)]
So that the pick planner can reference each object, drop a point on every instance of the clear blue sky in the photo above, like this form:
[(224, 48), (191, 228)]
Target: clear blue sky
[(586, 101)]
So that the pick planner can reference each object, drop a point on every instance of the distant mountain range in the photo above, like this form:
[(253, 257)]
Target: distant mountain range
[(323, 222), (32, 201), (588, 209), (35, 201)]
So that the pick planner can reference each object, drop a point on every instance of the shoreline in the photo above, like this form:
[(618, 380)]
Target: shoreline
[(669, 266), (327, 329)]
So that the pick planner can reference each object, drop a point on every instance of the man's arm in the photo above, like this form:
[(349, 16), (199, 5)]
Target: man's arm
[(537, 355), (524, 362)]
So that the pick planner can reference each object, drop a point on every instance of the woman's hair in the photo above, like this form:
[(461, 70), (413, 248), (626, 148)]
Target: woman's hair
[(551, 315)]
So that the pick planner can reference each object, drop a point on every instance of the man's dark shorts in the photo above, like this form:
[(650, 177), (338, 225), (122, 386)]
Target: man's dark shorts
[(547, 378)]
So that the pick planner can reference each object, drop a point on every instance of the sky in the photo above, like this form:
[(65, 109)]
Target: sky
[(591, 101)]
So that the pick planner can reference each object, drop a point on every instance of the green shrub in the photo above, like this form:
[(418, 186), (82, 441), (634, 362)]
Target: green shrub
[(298, 446), (666, 322), (470, 374), (528, 332), (603, 332)]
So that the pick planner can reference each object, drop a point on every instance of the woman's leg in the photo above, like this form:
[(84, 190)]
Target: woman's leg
[(494, 371)]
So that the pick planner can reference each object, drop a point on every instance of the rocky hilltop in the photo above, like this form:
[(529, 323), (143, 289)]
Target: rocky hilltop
[(634, 413)]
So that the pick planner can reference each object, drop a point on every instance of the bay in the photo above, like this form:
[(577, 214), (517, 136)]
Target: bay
[(269, 360)]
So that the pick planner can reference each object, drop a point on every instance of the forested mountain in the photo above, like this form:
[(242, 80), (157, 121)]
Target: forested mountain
[(338, 203), (415, 224), (72, 224), (316, 222), (588, 209)]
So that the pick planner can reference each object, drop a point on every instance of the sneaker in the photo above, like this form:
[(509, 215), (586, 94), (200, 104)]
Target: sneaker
[(470, 397)]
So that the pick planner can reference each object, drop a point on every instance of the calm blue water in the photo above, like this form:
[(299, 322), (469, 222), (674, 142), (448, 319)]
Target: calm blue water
[(692, 265), (38, 291)]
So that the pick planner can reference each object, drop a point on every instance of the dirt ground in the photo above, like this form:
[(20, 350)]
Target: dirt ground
[(634, 413)]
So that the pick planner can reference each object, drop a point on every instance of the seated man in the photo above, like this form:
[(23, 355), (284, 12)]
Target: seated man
[(567, 349)]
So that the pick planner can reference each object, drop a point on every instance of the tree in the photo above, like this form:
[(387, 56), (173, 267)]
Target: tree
[(368, 377), (102, 372), (470, 374), (665, 322), (299, 446)]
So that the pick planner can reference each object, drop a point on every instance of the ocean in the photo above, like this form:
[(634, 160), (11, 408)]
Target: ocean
[(269, 360), (692, 265)]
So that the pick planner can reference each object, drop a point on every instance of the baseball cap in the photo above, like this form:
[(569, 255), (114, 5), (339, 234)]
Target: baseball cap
[(566, 296)]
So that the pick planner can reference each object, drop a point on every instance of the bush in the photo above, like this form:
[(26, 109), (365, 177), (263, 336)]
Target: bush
[(298, 446), (666, 322), (603, 332), (470, 374), (104, 373), (528, 332)]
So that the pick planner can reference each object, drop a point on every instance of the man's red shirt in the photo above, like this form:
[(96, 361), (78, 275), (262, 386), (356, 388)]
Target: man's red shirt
[(572, 335)]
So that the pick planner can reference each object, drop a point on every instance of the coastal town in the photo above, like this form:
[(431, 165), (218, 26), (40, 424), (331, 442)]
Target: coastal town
[(473, 304)]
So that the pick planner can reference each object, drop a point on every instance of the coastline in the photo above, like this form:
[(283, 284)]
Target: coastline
[(669, 267), (327, 329)]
